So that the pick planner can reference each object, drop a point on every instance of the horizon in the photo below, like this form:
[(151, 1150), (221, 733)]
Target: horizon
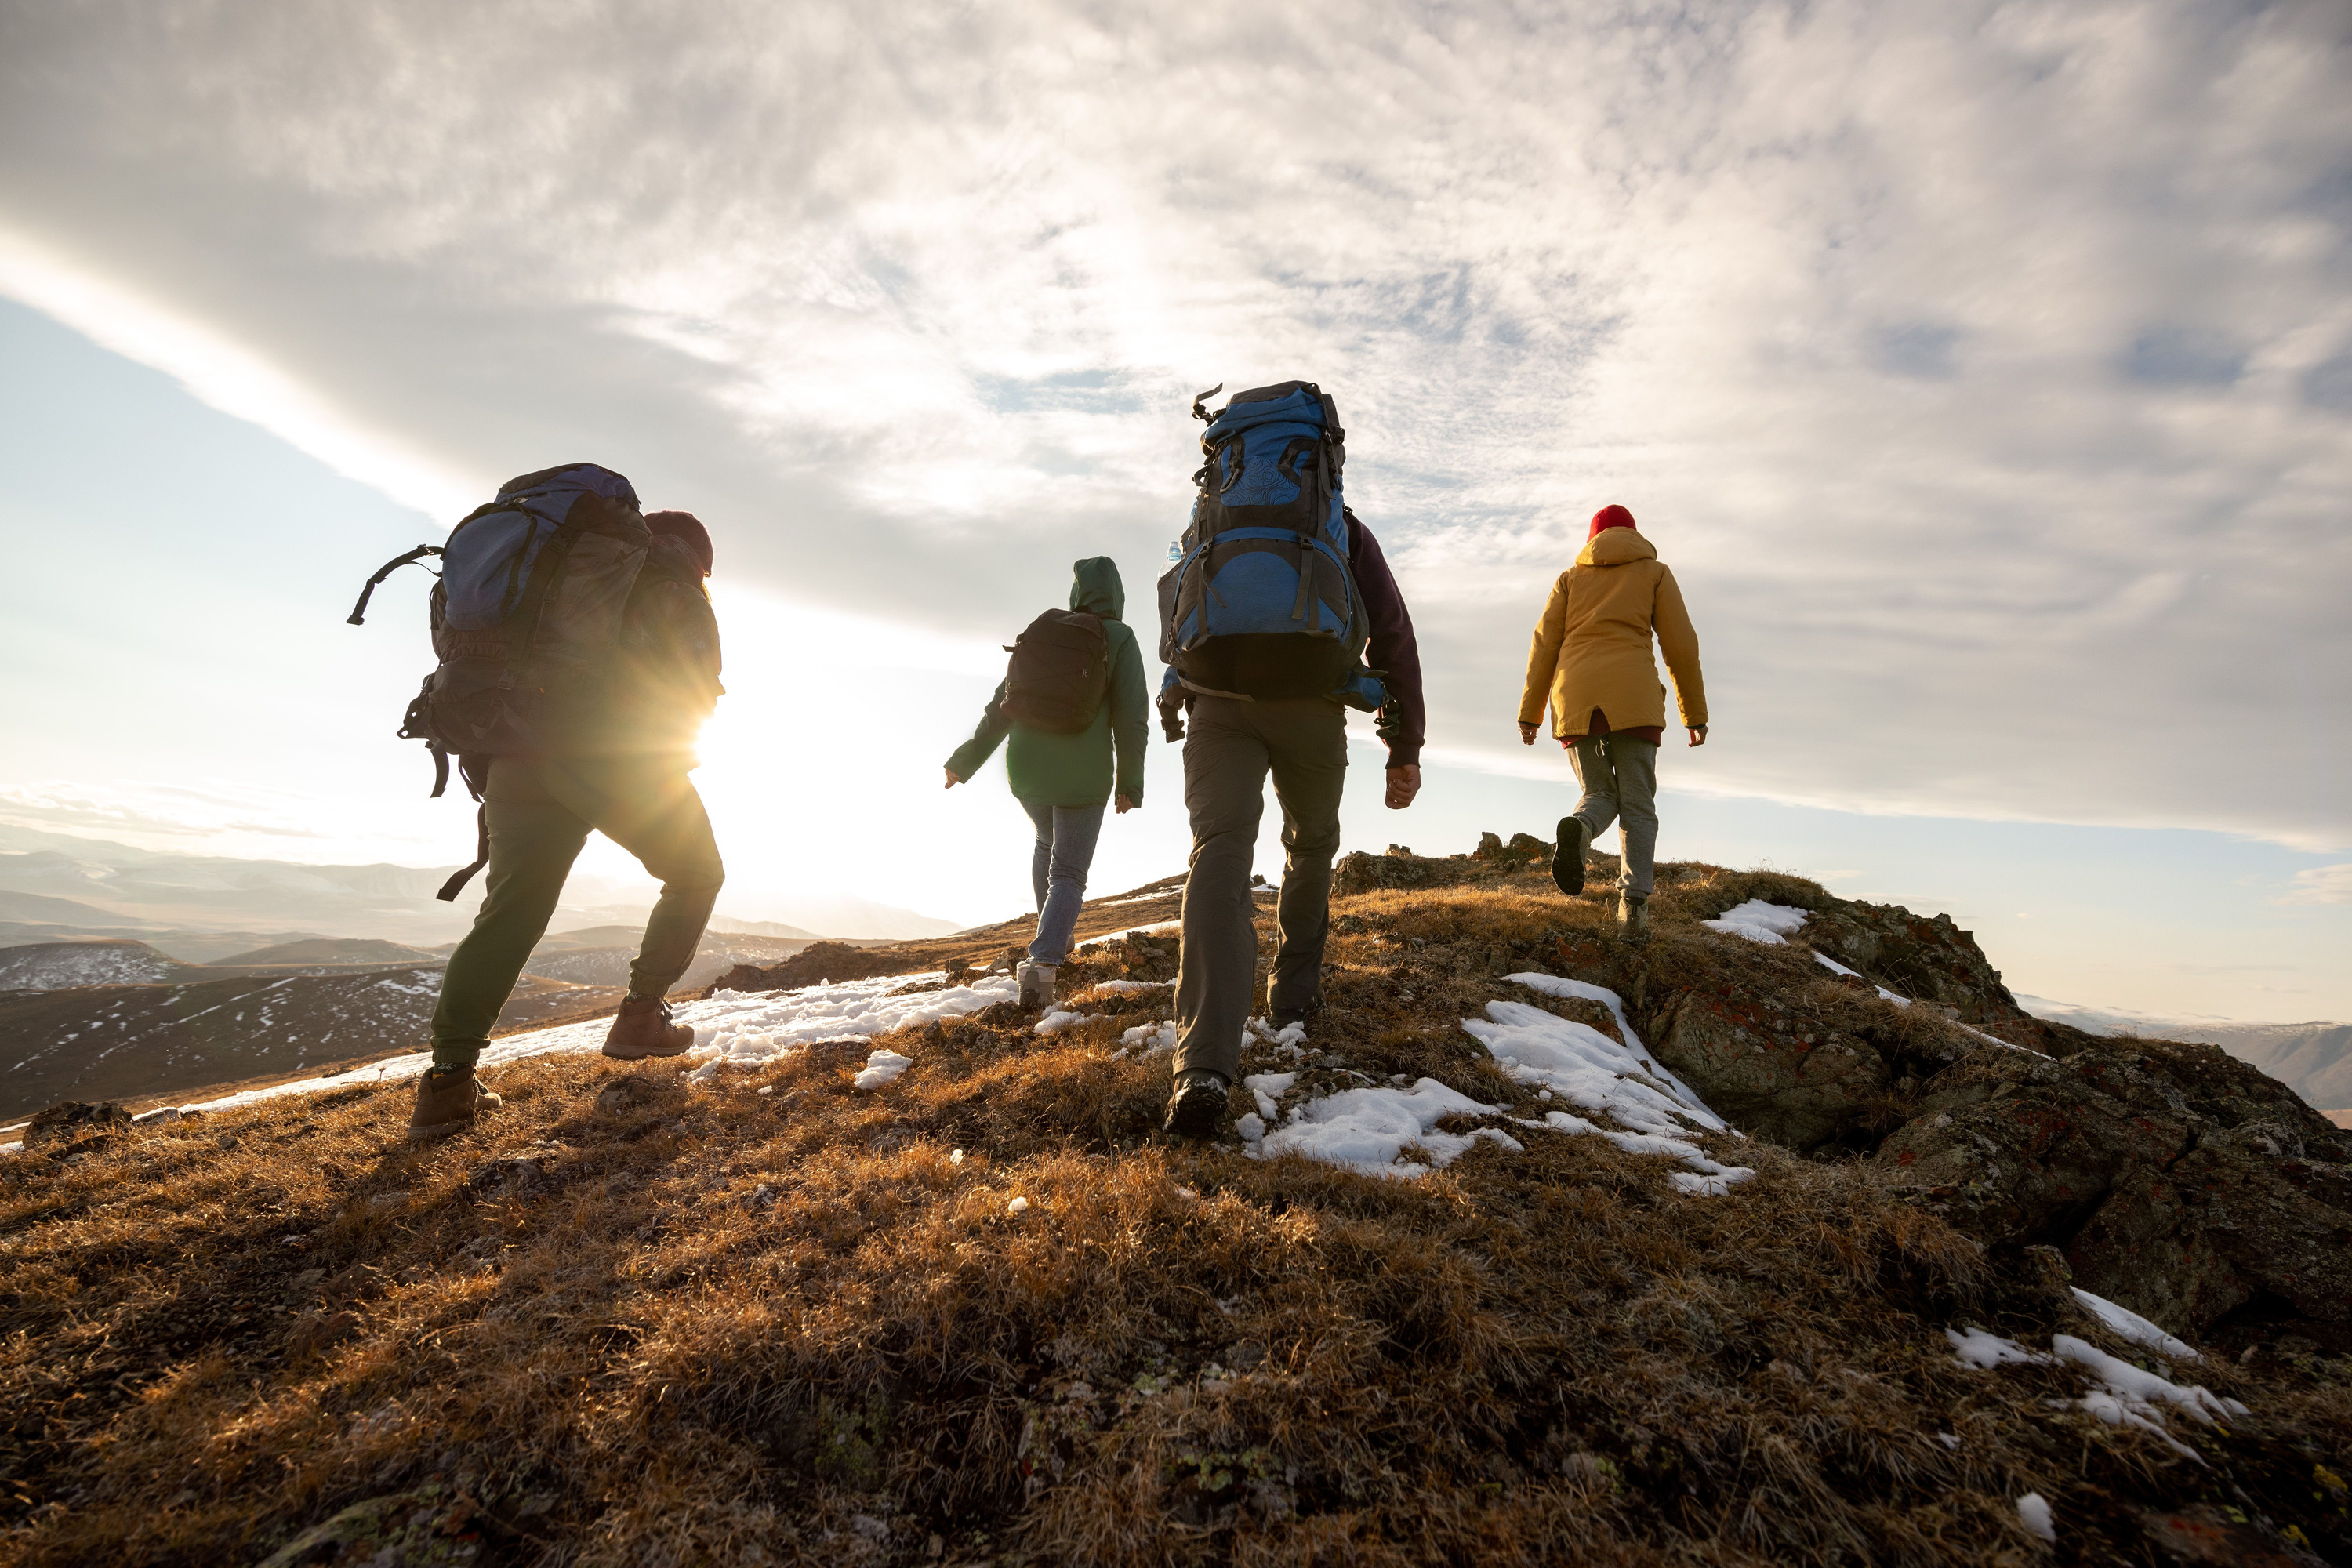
[(1990, 399)]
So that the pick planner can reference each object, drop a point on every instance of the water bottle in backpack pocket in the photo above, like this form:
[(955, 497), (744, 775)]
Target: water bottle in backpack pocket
[(1059, 672), (1260, 603)]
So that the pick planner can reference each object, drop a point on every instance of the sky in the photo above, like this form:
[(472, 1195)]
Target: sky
[(1983, 370)]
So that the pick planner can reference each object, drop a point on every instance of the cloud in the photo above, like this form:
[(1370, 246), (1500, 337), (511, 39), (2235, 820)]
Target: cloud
[(2321, 885), (142, 810), (1977, 367)]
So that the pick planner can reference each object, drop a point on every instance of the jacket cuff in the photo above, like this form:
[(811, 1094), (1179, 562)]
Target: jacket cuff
[(1404, 756)]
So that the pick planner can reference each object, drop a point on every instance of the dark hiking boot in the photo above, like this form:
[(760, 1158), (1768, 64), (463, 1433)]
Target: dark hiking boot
[(1632, 918), (1283, 1017), (1037, 986), (448, 1100), (1568, 846), (1197, 1108), (642, 1029)]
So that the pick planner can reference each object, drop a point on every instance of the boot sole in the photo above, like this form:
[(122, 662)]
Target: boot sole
[(434, 1134), (1196, 1114), (1567, 867), (624, 1056)]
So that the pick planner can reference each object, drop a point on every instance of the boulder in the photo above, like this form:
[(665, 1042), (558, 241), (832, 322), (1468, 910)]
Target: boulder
[(817, 963), (2177, 1180), (71, 1121), (1772, 1073)]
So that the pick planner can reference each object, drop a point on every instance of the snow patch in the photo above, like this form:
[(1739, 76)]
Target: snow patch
[(2120, 1394), (2033, 1513), (2128, 1324), (1148, 1039), (1368, 1130), (882, 1065), (732, 1029), (1759, 921), (1054, 1023)]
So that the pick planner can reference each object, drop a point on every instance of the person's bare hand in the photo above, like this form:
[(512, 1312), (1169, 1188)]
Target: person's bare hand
[(953, 779), (1699, 736), (1527, 735), (1404, 784), (1125, 805)]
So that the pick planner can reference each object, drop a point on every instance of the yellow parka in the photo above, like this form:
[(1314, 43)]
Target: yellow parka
[(1591, 649)]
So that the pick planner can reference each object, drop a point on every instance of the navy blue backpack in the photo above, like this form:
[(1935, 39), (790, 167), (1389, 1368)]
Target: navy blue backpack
[(525, 618), (1261, 601)]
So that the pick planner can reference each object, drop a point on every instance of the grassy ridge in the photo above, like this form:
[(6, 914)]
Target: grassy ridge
[(637, 1321)]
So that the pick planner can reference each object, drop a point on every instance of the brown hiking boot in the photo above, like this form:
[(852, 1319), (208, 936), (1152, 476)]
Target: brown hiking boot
[(642, 1029), (448, 1100), (1037, 986), (1632, 918), (1197, 1106)]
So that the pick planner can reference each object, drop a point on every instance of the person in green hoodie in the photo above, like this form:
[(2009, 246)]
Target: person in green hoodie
[(1064, 780)]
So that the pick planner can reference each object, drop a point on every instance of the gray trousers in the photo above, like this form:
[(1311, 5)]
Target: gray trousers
[(1230, 748), (1620, 775)]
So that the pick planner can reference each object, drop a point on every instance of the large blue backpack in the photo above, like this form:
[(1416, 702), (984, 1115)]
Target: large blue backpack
[(1261, 601), (526, 616)]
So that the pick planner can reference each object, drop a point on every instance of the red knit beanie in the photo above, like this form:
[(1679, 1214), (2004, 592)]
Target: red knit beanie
[(688, 530), (1610, 516)]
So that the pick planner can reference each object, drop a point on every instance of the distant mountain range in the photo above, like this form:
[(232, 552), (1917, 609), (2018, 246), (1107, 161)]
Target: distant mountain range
[(2315, 1059), (57, 885)]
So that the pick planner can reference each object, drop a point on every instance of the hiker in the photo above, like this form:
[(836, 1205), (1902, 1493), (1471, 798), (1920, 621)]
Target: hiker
[(1589, 659), (614, 760), (1280, 601), (1072, 699)]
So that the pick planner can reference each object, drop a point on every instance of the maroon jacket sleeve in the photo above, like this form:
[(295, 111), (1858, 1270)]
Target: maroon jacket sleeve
[(1392, 651)]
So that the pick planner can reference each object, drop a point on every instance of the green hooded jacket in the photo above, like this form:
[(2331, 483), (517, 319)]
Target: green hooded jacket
[(1077, 770)]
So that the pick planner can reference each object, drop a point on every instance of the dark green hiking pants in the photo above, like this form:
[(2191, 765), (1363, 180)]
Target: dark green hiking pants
[(1229, 748), (541, 813)]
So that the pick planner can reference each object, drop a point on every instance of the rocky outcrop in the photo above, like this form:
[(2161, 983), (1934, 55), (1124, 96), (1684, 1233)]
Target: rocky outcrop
[(2176, 1179), (72, 1120), (816, 964)]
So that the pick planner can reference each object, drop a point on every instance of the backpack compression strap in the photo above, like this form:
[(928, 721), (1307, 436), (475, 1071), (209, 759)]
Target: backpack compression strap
[(359, 611), (476, 772)]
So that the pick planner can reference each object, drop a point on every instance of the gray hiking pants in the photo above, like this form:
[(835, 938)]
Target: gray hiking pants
[(1620, 775), (1229, 750)]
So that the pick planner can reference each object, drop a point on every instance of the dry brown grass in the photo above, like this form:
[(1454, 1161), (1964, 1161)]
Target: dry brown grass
[(218, 1333)]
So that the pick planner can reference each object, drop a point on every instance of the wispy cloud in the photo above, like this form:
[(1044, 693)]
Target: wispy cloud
[(2321, 885), (1978, 367)]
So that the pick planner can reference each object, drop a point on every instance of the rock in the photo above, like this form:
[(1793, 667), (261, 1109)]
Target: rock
[(1927, 960), (424, 1529), (507, 1178), (2177, 1180), (2205, 1534), (625, 1094), (72, 1120), (817, 963), (1769, 1075)]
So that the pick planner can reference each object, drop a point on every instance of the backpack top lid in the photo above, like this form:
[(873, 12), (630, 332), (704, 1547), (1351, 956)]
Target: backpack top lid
[(1288, 402), (489, 555), (550, 492)]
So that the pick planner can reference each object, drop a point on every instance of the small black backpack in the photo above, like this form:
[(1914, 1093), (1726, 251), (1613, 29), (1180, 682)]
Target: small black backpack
[(1059, 672)]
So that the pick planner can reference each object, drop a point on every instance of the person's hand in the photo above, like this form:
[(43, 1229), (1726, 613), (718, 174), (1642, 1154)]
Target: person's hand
[(1404, 784), (1125, 805), (1699, 736), (953, 779), (1527, 735)]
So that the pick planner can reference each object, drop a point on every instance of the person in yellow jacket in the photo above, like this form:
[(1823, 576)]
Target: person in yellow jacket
[(1590, 661)]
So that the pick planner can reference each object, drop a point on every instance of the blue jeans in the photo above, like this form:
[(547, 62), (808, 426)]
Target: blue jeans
[(1066, 848)]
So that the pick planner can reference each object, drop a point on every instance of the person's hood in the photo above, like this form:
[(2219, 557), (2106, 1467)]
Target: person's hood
[(1096, 587), (1614, 547)]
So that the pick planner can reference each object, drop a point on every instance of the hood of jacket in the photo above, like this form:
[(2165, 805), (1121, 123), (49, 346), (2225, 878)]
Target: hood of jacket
[(1095, 587), (1615, 547)]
